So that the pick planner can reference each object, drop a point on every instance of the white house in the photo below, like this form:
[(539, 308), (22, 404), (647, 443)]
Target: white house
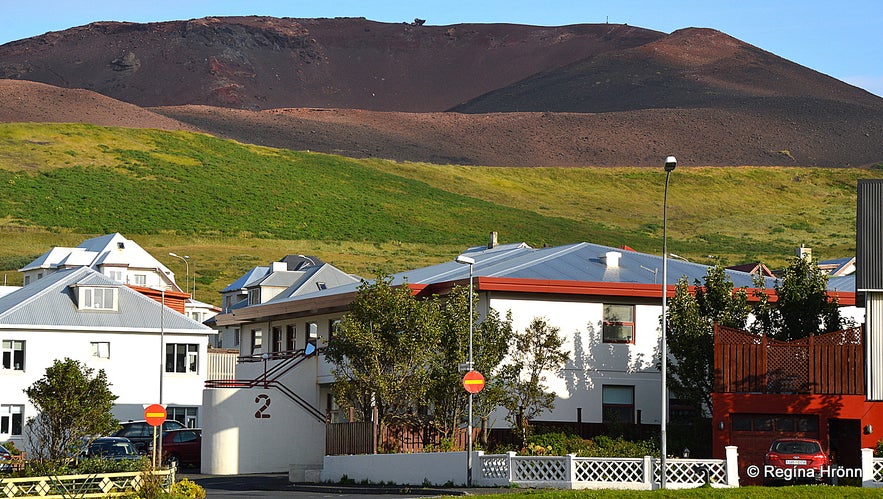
[(121, 259), (293, 275), (150, 352), (605, 301)]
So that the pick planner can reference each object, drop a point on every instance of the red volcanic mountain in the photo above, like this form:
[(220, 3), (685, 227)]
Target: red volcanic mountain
[(491, 94)]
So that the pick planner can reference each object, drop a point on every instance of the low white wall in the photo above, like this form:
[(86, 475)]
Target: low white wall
[(431, 468)]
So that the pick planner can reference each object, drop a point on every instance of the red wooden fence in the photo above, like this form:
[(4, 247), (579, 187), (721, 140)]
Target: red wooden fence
[(828, 364)]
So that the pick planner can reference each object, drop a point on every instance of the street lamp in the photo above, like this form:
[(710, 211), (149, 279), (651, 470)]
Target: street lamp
[(670, 164), (465, 260), (186, 259)]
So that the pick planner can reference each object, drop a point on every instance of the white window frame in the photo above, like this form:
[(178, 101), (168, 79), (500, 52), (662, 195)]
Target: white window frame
[(9, 413), (100, 349), (116, 275), (187, 416), (97, 297), (190, 354), (9, 348), (140, 279)]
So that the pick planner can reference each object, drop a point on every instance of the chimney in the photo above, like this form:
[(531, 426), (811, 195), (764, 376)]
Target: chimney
[(804, 253), (492, 241), (611, 259)]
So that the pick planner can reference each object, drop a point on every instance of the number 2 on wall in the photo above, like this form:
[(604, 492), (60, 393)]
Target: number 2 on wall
[(261, 412)]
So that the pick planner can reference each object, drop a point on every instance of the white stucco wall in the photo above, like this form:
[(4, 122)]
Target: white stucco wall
[(257, 430), (592, 363), (133, 368)]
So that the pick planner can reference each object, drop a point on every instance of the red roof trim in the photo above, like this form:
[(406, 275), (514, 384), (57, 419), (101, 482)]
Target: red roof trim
[(517, 285)]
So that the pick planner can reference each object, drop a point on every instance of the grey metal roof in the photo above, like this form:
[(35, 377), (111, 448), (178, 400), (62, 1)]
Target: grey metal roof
[(581, 262), (51, 302), (247, 279), (327, 274)]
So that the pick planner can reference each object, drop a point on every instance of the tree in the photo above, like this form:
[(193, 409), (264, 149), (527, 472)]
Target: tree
[(72, 405), (803, 306), (382, 349), (532, 354), (446, 395), (690, 333)]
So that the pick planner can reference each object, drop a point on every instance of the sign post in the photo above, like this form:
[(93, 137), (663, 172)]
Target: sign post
[(155, 415)]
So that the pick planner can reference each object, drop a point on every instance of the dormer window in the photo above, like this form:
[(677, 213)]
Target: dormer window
[(97, 298)]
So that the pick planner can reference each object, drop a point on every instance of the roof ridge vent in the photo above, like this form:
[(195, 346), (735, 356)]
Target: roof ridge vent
[(611, 259)]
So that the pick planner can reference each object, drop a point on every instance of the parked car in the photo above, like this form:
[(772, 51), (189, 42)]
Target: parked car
[(141, 434), (5, 460), (182, 447), (796, 460), (116, 448)]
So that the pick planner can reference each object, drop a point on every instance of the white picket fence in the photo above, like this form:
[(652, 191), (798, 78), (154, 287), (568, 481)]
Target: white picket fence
[(571, 472)]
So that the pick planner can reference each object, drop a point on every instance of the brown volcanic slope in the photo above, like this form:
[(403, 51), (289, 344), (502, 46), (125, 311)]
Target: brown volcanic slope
[(597, 94), (263, 62), (27, 101)]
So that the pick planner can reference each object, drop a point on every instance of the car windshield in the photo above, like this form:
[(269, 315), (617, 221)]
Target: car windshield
[(796, 447), (113, 449)]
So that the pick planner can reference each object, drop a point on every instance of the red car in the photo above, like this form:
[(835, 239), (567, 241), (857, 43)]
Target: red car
[(182, 447), (796, 460)]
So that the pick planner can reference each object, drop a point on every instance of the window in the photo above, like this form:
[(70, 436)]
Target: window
[(257, 341), (14, 355), (11, 419), (39, 276), (101, 349), (140, 280), (321, 285), (182, 358), (116, 275), (290, 337), (236, 337), (278, 345), (97, 298), (254, 296), (27, 280), (184, 415), (618, 404), (619, 324), (312, 333)]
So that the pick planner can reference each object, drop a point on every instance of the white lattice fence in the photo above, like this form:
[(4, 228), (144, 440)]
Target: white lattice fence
[(538, 469), (601, 469), (571, 472), (692, 471)]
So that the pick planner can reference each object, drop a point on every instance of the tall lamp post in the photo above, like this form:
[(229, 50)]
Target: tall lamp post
[(465, 260), (186, 260), (670, 164)]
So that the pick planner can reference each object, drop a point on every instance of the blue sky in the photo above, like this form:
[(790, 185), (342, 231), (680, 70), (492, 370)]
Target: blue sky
[(841, 39)]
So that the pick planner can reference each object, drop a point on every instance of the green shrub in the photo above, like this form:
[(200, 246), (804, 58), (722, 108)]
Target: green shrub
[(187, 489)]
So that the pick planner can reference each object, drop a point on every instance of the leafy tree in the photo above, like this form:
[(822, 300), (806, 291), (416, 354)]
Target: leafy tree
[(382, 349), (533, 352), (72, 405), (803, 306), (690, 333), (446, 395)]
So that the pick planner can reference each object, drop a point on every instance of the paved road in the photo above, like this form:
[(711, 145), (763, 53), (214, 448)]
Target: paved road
[(276, 485)]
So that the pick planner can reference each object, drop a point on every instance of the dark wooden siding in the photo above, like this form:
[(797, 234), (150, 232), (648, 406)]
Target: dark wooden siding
[(829, 364)]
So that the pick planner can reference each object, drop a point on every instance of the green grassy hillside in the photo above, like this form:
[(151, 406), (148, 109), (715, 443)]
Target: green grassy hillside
[(232, 206)]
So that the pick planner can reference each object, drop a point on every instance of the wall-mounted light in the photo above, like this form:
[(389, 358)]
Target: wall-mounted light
[(869, 429), (720, 425)]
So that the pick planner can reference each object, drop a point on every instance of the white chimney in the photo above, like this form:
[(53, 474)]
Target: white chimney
[(804, 253), (492, 241), (611, 259), (278, 267)]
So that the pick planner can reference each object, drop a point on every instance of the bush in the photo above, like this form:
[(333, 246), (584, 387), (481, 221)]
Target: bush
[(10, 446), (561, 443), (186, 489)]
